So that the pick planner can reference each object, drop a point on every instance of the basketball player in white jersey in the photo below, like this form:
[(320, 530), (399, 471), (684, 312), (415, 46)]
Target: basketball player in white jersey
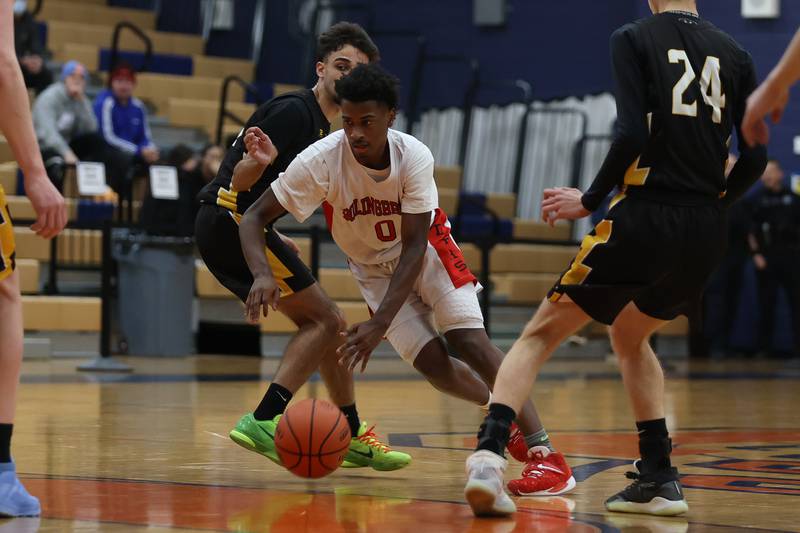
[(382, 208)]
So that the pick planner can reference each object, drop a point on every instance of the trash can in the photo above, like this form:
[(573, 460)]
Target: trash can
[(156, 292)]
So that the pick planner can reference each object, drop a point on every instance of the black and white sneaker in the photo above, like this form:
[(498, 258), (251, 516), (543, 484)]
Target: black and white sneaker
[(659, 494)]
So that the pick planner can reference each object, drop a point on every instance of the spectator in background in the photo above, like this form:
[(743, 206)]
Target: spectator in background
[(775, 244), (123, 118), (725, 288), (29, 49), (67, 129), (177, 217)]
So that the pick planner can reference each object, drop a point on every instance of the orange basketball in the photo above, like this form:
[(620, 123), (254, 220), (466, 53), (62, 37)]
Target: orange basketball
[(312, 438)]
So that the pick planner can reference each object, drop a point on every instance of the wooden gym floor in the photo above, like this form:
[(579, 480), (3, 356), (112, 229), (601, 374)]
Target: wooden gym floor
[(149, 451)]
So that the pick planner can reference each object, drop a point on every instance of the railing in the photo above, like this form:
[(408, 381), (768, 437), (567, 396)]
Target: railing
[(223, 104), (37, 8), (148, 44)]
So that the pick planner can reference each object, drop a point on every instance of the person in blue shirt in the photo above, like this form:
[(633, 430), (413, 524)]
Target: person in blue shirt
[(122, 118)]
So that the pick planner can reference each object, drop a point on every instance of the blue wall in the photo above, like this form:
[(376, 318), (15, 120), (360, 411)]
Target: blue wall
[(560, 47)]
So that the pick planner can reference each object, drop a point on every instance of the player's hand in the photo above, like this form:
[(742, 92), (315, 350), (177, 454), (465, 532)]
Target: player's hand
[(259, 146), (760, 261), (562, 203), (769, 99), (288, 242), (264, 294), (51, 213), (361, 340)]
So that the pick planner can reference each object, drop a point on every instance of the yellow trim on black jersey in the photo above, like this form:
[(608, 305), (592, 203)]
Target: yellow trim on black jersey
[(7, 244), (228, 199), (279, 270), (635, 175), (578, 271)]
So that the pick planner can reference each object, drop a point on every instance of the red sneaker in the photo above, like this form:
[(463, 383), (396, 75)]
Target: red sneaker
[(516, 444), (545, 474)]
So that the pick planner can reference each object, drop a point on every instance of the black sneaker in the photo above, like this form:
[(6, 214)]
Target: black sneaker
[(657, 494)]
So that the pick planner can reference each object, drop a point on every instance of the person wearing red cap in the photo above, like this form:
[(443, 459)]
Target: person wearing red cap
[(123, 118)]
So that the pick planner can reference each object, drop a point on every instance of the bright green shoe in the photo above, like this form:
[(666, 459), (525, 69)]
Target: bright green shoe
[(257, 436), (367, 450)]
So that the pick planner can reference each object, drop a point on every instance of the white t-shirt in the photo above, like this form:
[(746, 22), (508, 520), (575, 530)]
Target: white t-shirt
[(366, 213)]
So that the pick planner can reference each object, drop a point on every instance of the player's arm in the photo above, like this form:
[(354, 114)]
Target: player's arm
[(282, 124), (772, 96), (16, 125), (752, 158), (264, 292), (260, 152), (298, 191), (364, 337), (630, 133), (630, 136)]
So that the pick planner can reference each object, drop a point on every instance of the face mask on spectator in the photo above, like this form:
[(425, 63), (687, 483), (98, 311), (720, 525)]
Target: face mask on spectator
[(20, 6)]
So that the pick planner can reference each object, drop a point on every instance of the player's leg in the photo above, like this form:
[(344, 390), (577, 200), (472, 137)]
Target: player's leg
[(656, 489), (14, 499), (318, 323), (546, 471), (449, 375), (303, 301), (552, 323)]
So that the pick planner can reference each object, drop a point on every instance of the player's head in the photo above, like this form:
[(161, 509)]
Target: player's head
[(369, 104), (122, 80), (73, 74), (339, 50), (210, 160), (659, 6), (772, 178)]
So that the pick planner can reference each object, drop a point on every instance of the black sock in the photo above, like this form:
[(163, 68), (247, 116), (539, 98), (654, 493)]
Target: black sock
[(274, 402), (654, 445), (493, 435), (351, 413), (5, 442)]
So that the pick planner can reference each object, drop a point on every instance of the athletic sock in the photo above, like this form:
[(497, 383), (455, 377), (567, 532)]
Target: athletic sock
[(654, 445), (540, 438), (5, 442), (273, 403), (493, 435), (351, 413)]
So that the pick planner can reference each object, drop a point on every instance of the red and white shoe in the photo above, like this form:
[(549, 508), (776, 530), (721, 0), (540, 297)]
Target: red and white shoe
[(516, 444), (545, 474)]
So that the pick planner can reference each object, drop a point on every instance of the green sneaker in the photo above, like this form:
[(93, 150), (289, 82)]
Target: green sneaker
[(367, 450), (257, 436)]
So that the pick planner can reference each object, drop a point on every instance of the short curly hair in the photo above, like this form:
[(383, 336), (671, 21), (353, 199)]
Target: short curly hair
[(340, 35), (368, 82)]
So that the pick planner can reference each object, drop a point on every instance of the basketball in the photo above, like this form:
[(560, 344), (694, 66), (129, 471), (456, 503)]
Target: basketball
[(312, 438)]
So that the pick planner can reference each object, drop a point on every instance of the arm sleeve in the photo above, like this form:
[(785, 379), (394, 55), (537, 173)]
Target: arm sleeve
[(301, 189), (45, 113), (752, 159), (103, 109), (419, 189), (630, 132)]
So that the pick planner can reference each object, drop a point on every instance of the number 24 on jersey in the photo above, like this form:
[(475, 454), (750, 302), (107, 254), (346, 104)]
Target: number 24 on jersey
[(710, 86)]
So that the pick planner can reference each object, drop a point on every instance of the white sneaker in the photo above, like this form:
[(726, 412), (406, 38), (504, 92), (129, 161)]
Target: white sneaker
[(484, 491)]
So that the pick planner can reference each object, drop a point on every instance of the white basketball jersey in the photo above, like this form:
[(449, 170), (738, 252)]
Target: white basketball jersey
[(366, 210)]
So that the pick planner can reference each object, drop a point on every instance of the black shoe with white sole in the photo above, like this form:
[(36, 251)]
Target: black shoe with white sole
[(658, 493)]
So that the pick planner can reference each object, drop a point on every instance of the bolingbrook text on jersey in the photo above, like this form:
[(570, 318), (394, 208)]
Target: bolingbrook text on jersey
[(370, 206)]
